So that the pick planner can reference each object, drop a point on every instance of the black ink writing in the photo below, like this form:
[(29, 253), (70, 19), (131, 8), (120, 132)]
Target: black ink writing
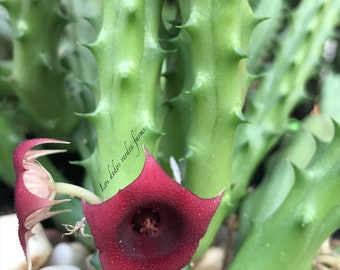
[(128, 150), (114, 166), (137, 138)]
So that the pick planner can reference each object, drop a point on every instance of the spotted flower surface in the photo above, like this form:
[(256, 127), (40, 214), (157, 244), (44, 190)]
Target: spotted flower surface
[(34, 191), (153, 223)]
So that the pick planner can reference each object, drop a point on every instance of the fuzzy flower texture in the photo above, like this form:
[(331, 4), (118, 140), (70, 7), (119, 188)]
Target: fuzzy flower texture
[(153, 223)]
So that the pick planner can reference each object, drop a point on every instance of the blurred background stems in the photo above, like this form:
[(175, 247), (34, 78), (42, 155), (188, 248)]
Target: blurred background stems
[(283, 87), (37, 76)]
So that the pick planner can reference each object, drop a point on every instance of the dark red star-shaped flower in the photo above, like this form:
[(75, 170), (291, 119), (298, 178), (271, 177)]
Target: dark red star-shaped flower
[(153, 223)]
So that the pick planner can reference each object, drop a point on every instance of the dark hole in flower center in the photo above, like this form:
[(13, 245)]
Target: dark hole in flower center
[(146, 221)]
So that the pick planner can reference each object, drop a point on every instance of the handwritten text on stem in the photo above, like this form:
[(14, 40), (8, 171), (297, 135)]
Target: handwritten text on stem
[(132, 148)]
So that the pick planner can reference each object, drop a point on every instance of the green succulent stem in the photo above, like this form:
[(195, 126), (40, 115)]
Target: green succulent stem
[(218, 84), (290, 237), (129, 108), (10, 138), (218, 87), (38, 79), (282, 88)]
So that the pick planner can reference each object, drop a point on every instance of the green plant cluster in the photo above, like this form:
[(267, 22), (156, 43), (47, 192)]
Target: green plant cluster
[(244, 95)]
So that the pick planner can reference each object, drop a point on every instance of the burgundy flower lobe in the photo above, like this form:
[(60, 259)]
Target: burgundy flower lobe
[(153, 223), (34, 192)]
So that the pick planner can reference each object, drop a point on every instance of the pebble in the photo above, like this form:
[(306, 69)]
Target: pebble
[(61, 267), (73, 253), (212, 259), (11, 253)]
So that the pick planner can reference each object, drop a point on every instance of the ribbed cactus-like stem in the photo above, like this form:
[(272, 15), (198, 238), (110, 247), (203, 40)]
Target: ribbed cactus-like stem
[(39, 81), (129, 109), (282, 88), (219, 32), (289, 235), (219, 38)]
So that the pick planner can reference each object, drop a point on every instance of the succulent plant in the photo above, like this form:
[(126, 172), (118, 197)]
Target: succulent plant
[(241, 97)]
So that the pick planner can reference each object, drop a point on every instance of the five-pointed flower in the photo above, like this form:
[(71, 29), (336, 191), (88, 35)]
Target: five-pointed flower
[(153, 223), (34, 191)]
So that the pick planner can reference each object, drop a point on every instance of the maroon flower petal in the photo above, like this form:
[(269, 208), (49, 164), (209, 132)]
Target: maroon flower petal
[(34, 188), (30, 210), (153, 223)]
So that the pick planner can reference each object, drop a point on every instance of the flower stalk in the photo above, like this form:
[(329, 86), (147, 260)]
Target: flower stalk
[(76, 191)]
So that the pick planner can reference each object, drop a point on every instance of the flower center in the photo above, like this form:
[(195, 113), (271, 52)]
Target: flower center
[(146, 221)]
